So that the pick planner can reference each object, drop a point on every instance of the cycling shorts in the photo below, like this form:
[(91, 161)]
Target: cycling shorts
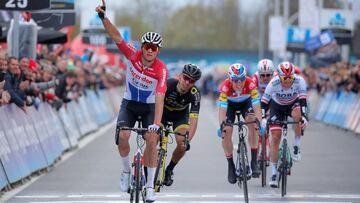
[(279, 112), (244, 107), (129, 113), (178, 118)]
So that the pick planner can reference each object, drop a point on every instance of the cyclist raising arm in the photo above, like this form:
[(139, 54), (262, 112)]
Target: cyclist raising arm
[(238, 92), (146, 79), (287, 93), (182, 104)]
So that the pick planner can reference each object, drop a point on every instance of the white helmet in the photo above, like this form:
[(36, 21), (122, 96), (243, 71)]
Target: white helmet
[(286, 69), (266, 66), (153, 38)]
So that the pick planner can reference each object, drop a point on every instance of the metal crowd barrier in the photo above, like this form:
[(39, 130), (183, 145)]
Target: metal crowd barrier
[(339, 108), (34, 141)]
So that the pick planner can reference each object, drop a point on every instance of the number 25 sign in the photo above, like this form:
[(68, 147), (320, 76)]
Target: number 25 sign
[(24, 5)]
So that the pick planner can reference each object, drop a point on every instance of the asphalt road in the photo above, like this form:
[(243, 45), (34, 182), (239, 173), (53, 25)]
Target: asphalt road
[(328, 172)]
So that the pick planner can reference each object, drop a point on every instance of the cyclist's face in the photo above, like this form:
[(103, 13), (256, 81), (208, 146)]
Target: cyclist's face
[(186, 82), (287, 81), (265, 77), (150, 51), (238, 84)]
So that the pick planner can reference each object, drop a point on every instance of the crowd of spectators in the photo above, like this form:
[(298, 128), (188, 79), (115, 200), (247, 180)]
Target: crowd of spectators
[(55, 77), (340, 76)]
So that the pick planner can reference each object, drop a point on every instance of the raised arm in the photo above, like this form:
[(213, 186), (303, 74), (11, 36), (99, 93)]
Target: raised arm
[(109, 27)]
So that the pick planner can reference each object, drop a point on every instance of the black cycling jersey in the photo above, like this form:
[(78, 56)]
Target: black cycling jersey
[(175, 101)]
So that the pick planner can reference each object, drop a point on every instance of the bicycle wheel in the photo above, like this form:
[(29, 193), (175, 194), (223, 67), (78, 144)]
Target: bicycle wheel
[(263, 162), (244, 171), (160, 171), (284, 169), (137, 178)]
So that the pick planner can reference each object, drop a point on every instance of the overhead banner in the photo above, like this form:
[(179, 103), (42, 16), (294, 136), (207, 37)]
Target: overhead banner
[(24, 5), (296, 38), (319, 41), (336, 19), (60, 14)]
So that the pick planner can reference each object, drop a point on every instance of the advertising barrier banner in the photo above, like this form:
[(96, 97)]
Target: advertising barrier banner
[(14, 163), (35, 156), (58, 127), (3, 179), (69, 123)]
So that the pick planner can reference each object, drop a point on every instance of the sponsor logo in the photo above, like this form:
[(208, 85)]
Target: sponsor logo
[(163, 79), (286, 95), (137, 77)]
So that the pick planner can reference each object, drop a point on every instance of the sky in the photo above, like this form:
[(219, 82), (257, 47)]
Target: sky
[(87, 5)]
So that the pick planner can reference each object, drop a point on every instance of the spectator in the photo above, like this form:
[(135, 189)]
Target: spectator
[(14, 85), (66, 83)]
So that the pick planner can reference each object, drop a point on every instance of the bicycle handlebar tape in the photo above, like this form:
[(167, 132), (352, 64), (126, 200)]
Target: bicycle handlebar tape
[(102, 14)]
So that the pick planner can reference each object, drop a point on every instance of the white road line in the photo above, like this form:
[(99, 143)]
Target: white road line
[(98, 201), (200, 196), (75, 196), (208, 196), (38, 196)]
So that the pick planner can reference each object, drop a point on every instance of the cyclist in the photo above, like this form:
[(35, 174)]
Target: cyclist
[(262, 78), (146, 79), (287, 93), (182, 106), (238, 92)]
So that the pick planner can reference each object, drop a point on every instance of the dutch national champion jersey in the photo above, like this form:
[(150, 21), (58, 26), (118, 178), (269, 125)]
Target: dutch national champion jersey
[(285, 96), (227, 93), (174, 101), (142, 82)]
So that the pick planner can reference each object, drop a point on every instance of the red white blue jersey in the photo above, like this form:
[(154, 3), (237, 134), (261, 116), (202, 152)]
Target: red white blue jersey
[(227, 93), (285, 96), (261, 86), (142, 83)]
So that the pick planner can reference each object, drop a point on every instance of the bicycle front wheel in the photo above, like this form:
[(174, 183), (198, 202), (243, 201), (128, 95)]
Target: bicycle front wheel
[(263, 162), (137, 178), (284, 171), (160, 171), (244, 171)]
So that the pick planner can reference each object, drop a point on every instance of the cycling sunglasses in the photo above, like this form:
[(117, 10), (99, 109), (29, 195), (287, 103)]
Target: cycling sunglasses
[(265, 75), (236, 80), (189, 79), (153, 47), (283, 78)]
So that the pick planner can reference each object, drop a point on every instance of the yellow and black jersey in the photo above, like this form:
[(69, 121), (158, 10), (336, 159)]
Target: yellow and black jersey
[(174, 101)]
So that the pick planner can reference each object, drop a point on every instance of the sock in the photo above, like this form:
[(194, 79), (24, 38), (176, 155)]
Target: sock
[(273, 168), (230, 160), (254, 153), (297, 141), (151, 176), (126, 164), (171, 165)]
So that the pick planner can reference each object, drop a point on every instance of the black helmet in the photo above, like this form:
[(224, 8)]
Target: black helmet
[(192, 71)]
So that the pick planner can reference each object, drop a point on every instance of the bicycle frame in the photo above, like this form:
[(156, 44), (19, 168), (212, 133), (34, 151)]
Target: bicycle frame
[(162, 154), (285, 160), (137, 174), (242, 161)]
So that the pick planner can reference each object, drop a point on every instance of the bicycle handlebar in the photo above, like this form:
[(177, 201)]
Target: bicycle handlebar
[(283, 122), (137, 130), (241, 123)]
